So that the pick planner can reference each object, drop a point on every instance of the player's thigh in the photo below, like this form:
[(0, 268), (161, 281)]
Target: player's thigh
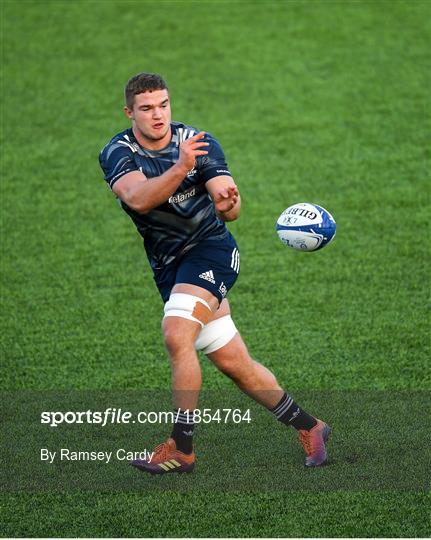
[(223, 310), (178, 328), (189, 311), (200, 292), (219, 311), (186, 312)]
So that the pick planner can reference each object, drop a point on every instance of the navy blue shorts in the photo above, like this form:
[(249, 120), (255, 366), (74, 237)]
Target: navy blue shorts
[(212, 264)]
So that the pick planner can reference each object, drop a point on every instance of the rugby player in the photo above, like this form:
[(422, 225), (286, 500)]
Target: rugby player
[(174, 183)]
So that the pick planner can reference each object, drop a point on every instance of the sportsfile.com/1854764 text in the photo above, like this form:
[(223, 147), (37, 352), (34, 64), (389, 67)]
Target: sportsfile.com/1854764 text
[(112, 415)]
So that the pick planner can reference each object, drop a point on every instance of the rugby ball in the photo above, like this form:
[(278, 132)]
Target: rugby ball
[(306, 227)]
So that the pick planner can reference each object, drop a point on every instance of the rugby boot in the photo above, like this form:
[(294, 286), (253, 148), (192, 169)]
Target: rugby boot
[(313, 442), (166, 459)]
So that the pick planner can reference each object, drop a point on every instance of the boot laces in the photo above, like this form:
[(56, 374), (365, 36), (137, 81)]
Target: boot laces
[(161, 452), (310, 441), (305, 441)]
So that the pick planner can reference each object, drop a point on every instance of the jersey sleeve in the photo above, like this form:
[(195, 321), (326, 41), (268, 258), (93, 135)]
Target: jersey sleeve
[(116, 160), (214, 163)]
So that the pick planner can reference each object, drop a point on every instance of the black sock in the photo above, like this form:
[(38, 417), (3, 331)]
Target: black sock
[(289, 412), (183, 430)]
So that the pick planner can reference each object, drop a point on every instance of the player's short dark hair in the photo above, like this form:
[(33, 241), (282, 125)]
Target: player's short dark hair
[(140, 83)]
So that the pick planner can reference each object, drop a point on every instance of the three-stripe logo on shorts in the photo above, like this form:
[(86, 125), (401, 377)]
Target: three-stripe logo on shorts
[(234, 263)]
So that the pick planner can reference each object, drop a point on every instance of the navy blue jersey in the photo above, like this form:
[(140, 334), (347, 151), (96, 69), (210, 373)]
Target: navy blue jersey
[(189, 216)]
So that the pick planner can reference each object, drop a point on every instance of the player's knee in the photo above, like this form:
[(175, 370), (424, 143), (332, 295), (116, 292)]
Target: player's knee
[(176, 337), (236, 368), (242, 369), (230, 369)]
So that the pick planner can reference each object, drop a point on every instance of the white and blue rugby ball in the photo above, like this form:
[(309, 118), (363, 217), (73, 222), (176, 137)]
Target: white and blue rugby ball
[(306, 227)]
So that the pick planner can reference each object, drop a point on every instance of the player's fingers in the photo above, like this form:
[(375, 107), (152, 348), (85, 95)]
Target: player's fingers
[(198, 136), (190, 143), (198, 144), (200, 152)]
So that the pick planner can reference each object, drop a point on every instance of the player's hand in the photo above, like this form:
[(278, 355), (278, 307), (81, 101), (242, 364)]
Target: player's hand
[(191, 149), (226, 199)]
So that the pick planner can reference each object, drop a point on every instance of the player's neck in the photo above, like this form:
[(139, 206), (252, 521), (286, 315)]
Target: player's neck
[(151, 144)]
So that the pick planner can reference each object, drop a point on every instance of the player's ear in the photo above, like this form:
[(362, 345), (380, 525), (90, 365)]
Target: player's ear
[(128, 112)]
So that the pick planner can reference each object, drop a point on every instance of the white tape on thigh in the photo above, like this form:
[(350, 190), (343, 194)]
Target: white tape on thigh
[(189, 307), (216, 334)]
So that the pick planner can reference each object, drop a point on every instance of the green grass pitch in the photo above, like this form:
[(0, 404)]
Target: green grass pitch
[(313, 100)]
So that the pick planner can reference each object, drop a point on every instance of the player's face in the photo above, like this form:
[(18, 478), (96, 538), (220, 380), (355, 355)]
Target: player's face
[(151, 117)]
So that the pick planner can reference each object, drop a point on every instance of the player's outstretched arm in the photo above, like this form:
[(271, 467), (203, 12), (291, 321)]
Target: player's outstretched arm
[(143, 194), (225, 196)]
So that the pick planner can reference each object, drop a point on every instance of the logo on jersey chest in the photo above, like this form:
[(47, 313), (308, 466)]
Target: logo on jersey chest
[(180, 197)]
